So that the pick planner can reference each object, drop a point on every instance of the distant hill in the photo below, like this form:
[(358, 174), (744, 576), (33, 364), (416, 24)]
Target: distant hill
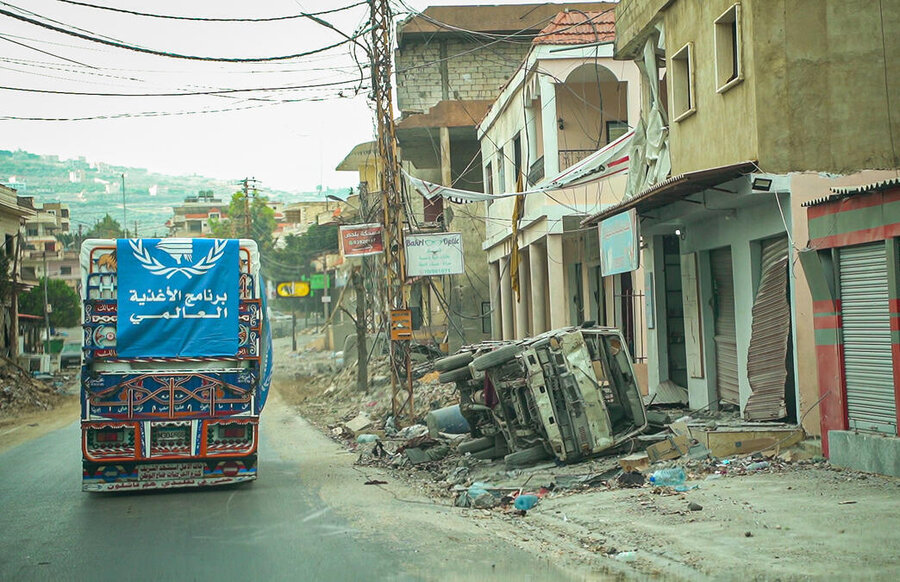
[(93, 189)]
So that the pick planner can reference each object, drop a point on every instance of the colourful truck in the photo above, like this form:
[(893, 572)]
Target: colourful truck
[(177, 362)]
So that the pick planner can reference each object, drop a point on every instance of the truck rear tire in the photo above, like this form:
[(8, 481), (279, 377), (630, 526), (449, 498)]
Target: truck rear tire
[(499, 356), (457, 375), (475, 445), (453, 362), (526, 456)]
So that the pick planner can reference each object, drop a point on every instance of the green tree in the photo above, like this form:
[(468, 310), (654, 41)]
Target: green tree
[(66, 307), (107, 227), (295, 256), (262, 221)]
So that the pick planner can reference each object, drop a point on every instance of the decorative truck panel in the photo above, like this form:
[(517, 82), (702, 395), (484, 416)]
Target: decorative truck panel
[(177, 362)]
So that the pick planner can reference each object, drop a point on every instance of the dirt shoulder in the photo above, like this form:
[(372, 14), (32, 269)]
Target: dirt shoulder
[(789, 521)]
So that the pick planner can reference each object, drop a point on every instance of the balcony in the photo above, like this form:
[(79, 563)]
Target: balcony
[(568, 158)]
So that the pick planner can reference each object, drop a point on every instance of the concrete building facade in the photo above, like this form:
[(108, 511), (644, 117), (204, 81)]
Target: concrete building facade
[(749, 110), (568, 100)]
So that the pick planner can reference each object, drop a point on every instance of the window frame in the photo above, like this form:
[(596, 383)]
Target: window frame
[(675, 68), (729, 20)]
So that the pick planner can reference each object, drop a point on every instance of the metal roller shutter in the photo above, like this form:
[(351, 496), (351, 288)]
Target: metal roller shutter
[(867, 338), (725, 334), (766, 370)]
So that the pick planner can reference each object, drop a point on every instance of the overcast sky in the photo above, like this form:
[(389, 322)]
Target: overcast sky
[(291, 146)]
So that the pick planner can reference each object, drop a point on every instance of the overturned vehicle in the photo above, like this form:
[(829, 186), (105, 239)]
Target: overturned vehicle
[(569, 393)]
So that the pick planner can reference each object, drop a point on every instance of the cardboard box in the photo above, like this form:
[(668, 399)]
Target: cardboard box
[(673, 447)]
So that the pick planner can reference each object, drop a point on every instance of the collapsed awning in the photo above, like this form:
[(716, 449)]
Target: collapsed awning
[(608, 161), (673, 189)]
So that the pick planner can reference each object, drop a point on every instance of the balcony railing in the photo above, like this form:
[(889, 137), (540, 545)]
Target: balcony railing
[(568, 158)]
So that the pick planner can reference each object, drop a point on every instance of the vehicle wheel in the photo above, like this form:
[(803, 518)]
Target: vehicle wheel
[(457, 375), (453, 362), (526, 456), (475, 445), (493, 452), (499, 356)]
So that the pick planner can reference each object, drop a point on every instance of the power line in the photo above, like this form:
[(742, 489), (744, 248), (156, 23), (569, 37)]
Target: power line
[(139, 49), (344, 84), (208, 19)]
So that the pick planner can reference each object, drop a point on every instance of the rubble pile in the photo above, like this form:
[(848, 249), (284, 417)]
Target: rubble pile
[(20, 393), (330, 395)]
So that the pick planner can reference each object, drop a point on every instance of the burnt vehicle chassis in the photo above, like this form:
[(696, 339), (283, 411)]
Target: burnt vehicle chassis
[(569, 393)]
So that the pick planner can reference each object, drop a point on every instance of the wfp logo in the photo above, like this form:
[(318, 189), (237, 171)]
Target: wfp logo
[(177, 250)]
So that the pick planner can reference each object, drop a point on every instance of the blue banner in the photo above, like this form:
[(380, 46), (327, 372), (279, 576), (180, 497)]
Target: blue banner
[(177, 297)]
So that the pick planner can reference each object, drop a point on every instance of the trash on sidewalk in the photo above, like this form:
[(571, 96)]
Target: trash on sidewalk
[(668, 477), (358, 424), (525, 502), (673, 447), (631, 479), (635, 462)]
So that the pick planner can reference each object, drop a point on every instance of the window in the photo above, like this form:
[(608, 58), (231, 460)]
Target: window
[(64, 270), (683, 82), (488, 179), (615, 130), (728, 49), (517, 160)]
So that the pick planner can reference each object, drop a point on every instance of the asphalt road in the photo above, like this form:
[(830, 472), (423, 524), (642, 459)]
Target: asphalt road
[(309, 516)]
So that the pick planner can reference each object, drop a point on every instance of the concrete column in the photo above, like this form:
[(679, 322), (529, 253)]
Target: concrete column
[(494, 282), (585, 283), (446, 178), (506, 301), (548, 124), (531, 138), (524, 293), (537, 258), (556, 275)]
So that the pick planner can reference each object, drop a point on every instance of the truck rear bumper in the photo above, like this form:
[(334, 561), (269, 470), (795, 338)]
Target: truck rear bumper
[(116, 476)]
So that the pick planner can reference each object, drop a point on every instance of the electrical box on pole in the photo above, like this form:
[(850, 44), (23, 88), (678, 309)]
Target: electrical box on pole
[(392, 204)]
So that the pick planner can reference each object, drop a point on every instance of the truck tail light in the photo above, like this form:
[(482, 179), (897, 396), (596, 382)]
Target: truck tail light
[(111, 436), (234, 432)]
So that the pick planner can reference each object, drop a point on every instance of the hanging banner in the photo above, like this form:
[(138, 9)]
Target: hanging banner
[(606, 162), (619, 244), (433, 254), (358, 240), (177, 297)]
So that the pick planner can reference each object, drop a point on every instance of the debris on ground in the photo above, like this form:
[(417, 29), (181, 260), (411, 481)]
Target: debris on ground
[(21, 393)]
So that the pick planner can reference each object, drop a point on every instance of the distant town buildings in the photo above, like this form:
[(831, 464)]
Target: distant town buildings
[(192, 219), (45, 253)]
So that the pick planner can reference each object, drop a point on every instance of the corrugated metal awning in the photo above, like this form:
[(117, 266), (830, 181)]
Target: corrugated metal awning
[(673, 189), (846, 192)]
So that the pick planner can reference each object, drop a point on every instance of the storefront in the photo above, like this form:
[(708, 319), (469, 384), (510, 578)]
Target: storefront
[(852, 264)]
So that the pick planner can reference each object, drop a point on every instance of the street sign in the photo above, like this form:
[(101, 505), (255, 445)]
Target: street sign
[(359, 240), (432, 254), (401, 324), (292, 289), (326, 298), (318, 281)]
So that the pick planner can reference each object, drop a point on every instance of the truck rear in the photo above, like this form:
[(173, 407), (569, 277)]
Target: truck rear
[(177, 362)]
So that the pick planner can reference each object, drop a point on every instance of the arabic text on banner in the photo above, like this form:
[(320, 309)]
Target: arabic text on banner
[(177, 297)]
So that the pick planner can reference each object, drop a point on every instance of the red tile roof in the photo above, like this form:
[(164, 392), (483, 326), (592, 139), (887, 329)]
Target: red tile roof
[(575, 27)]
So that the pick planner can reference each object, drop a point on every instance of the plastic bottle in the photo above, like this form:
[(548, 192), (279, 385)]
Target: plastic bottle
[(673, 476), (525, 502)]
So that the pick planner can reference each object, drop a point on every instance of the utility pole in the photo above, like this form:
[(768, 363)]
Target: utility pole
[(392, 206), (248, 185), (124, 209), (46, 304)]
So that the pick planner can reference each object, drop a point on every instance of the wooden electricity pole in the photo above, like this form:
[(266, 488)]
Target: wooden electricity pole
[(392, 206)]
